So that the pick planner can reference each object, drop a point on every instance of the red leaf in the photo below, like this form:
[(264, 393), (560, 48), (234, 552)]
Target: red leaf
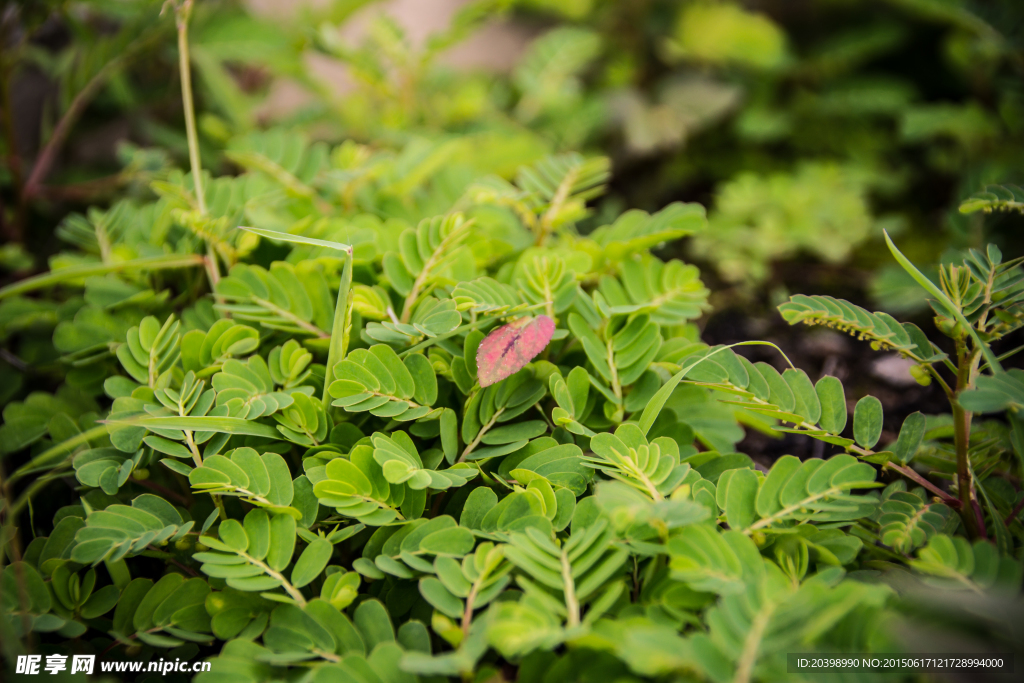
[(508, 349)]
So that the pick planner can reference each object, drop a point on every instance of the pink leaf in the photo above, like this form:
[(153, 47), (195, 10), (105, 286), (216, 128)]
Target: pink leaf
[(509, 348)]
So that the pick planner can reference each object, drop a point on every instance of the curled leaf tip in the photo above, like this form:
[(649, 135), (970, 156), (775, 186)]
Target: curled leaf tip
[(509, 348)]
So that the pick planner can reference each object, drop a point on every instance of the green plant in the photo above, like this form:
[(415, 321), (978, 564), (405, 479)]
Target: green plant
[(289, 454)]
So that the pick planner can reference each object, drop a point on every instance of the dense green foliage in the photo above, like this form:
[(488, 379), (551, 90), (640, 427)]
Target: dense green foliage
[(246, 419)]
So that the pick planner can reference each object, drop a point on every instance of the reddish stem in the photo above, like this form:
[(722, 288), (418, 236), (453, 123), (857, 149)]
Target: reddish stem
[(1014, 512), (914, 476)]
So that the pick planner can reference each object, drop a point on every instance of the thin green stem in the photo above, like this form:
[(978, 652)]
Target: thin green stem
[(938, 378), (198, 460), (182, 14), (616, 387), (943, 300), (288, 587), (467, 613), (76, 273), (962, 436), (39, 484), (480, 435), (752, 644), (917, 478)]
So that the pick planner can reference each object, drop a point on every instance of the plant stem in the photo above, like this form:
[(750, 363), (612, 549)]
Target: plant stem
[(467, 613), (198, 460), (182, 14), (12, 546), (962, 436), (480, 435), (425, 274), (915, 477), (1014, 512), (752, 644), (289, 588), (61, 275)]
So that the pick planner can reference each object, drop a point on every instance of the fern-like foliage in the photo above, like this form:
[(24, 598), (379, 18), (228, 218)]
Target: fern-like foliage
[(651, 468), (424, 255), (356, 487), (378, 381), (121, 530), (635, 231), (995, 198), (402, 464), (294, 299), (815, 490), (880, 328), (252, 555), (486, 296), (151, 350), (953, 563), (907, 520), (549, 76), (671, 293), (557, 581), (458, 588), (286, 157), (248, 391), (432, 317), (547, 280), (261, 480)]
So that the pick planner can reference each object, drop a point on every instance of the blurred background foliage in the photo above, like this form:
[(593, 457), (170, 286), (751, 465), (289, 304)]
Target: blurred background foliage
[(806, 126)]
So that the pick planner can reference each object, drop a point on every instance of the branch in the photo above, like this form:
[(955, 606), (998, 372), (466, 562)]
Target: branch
[(44, 162), (917, 478)]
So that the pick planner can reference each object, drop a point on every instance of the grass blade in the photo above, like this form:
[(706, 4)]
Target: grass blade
[(342, 313), (297, 239)]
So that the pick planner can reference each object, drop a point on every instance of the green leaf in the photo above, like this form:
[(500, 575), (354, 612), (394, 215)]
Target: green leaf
[(740, 493), (434, 592), (311, 562), (833, 404), (297, 239), (282, 541), (844, 316), (808, 405), (867, 421), (373, 623), (224, 425), (910, 438)]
